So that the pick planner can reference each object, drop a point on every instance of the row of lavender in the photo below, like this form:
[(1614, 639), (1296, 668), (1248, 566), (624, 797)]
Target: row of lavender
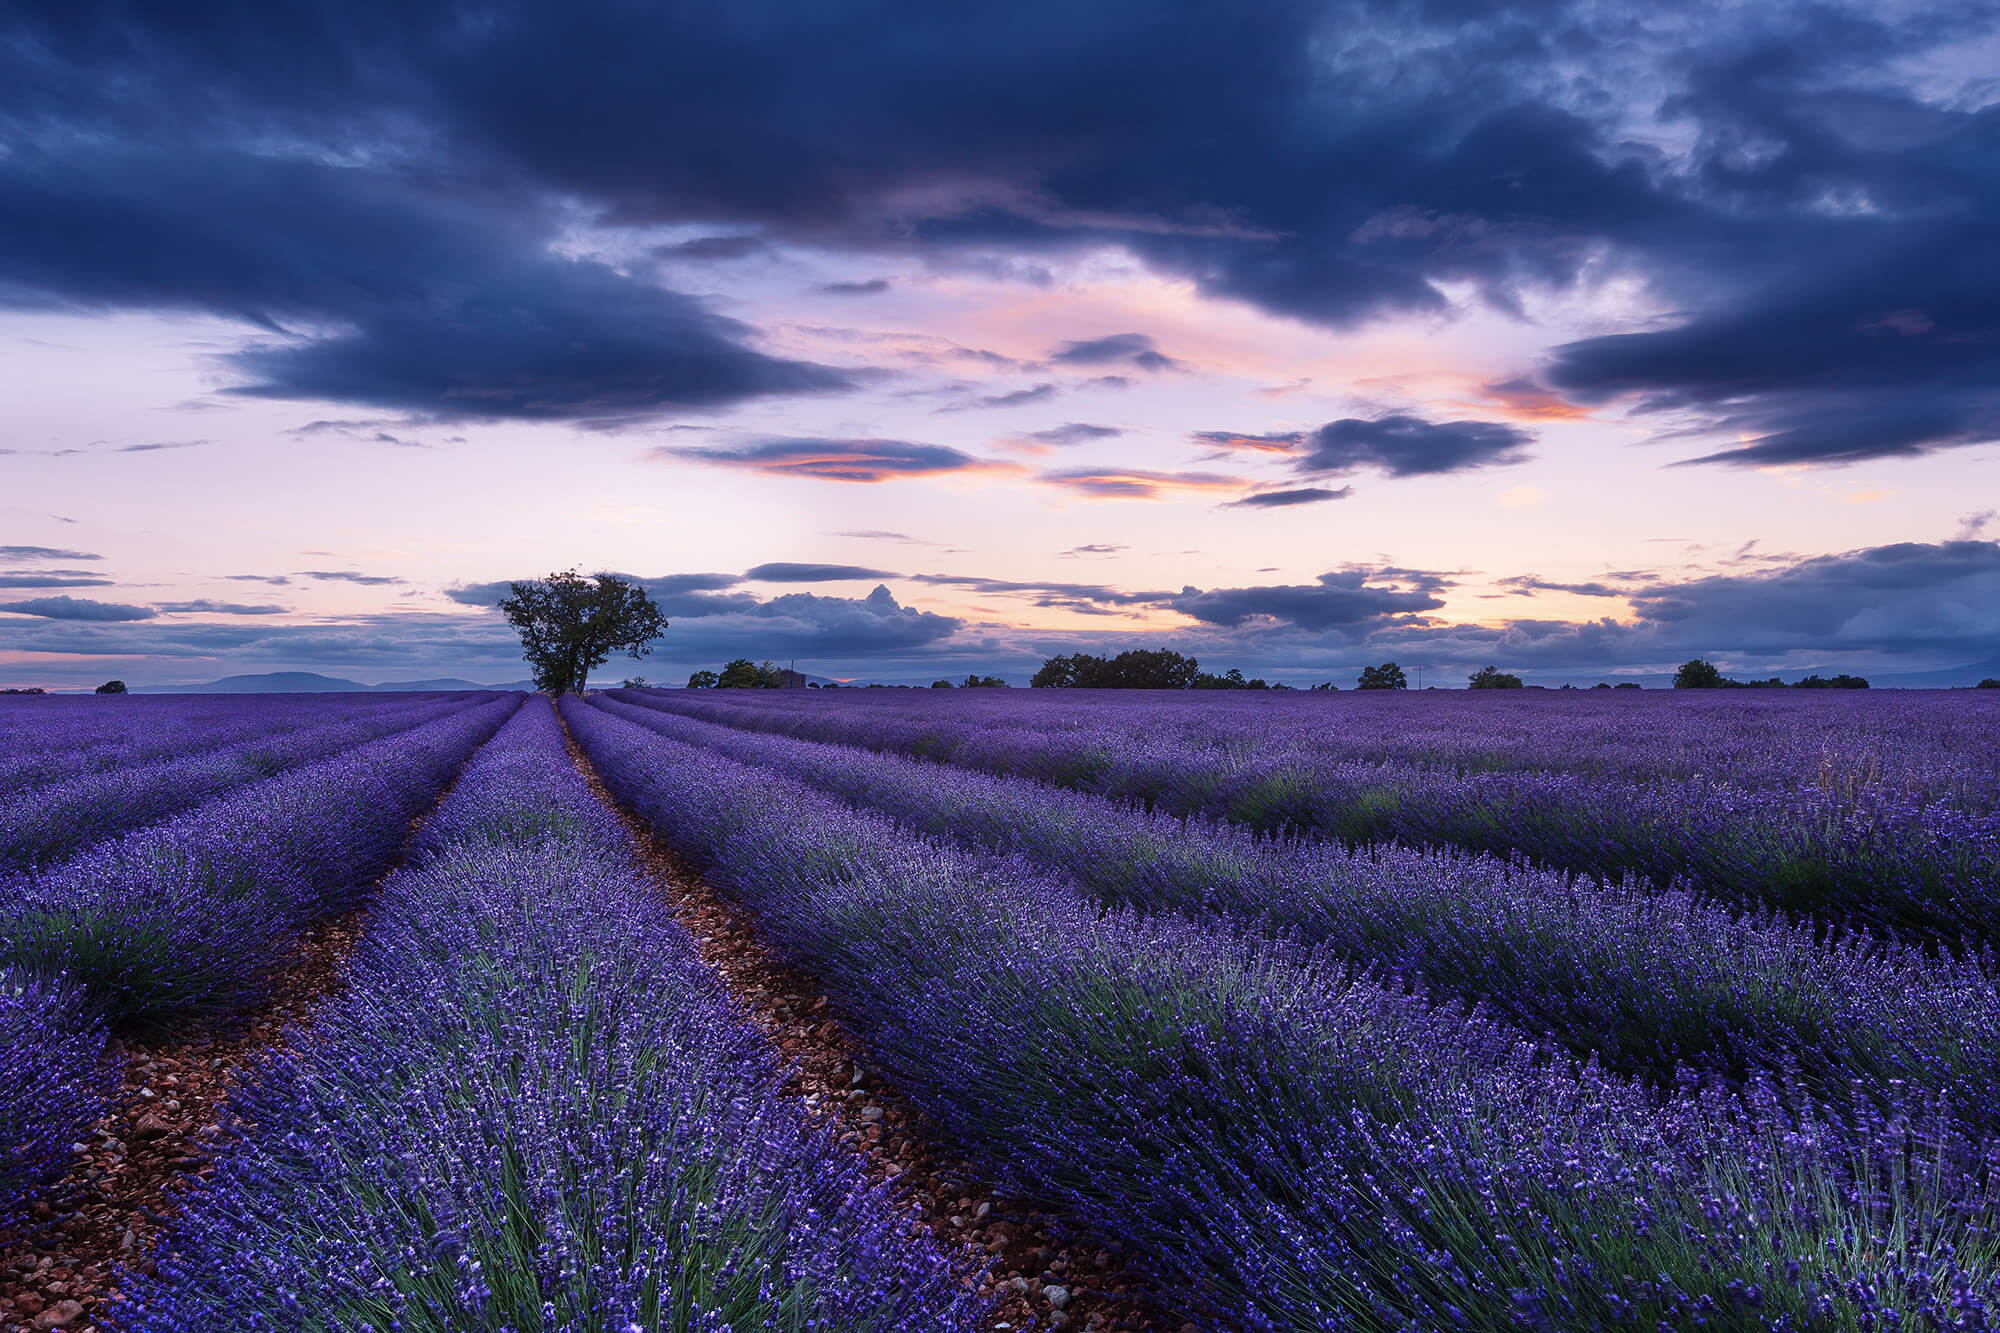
[(43, 823), (1648, 982), (1898, 857), (54, 738), (1278, 1142), (1935, 744), (188, 921), (535, 1108)]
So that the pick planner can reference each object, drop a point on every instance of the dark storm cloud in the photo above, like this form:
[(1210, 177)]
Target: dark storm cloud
[(1305, 495), (1134, 349), (377, 287), (835, 460), (1409, 446), (1824, 223), (1074, 432), (12, 554), (77, 608), (786, 572)]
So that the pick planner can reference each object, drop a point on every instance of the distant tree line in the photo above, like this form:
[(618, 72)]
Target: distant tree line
[(741, 674), (1700, 674), (1138, 669), (972, 682)]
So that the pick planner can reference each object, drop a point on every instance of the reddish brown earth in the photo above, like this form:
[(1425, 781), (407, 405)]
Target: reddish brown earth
[(154, 1146), (1037, 1280)]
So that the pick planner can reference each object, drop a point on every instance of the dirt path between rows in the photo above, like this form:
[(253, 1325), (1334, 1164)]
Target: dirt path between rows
[(152, 1148), (155, 1145), (1038, 1281)]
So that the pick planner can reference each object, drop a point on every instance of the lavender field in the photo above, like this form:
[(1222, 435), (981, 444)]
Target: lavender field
[(1272, 1011)]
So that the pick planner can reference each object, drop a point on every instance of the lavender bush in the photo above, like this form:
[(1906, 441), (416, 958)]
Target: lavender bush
[(1646, 981), (54, 1081), (535, 1108), (1909, 842), (1281, 1144), (54, 738), (188, 919), (44, 824)]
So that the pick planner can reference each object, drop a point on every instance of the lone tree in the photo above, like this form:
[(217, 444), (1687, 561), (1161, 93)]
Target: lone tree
[(1388, 676), (111, 687), (570, 624)]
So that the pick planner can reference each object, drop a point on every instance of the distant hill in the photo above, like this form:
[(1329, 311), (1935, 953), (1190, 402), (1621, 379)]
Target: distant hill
[(1938, 680), (311, 682)]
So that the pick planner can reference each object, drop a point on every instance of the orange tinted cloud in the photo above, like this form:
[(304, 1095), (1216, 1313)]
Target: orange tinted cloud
[(1115, 483), (864, 460), (1522, 400)]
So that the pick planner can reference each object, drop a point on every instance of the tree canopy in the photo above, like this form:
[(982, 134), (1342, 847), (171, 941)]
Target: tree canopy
[(570, 624), (1493, 678), (1135, 669), (1388, 676)]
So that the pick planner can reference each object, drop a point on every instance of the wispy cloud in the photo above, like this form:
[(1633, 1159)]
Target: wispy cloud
[(857, 460), (1113, 483), (77, 608), (347, 576), (1304, 495)]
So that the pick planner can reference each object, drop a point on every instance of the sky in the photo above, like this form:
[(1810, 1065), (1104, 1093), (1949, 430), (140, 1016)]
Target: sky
[(901, 343)]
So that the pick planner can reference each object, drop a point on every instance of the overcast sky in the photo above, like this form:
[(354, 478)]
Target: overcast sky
[(904, 341)]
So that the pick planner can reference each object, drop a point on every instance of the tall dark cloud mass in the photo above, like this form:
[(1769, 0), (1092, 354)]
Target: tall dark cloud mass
[(379, 185), (1408, 446)]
